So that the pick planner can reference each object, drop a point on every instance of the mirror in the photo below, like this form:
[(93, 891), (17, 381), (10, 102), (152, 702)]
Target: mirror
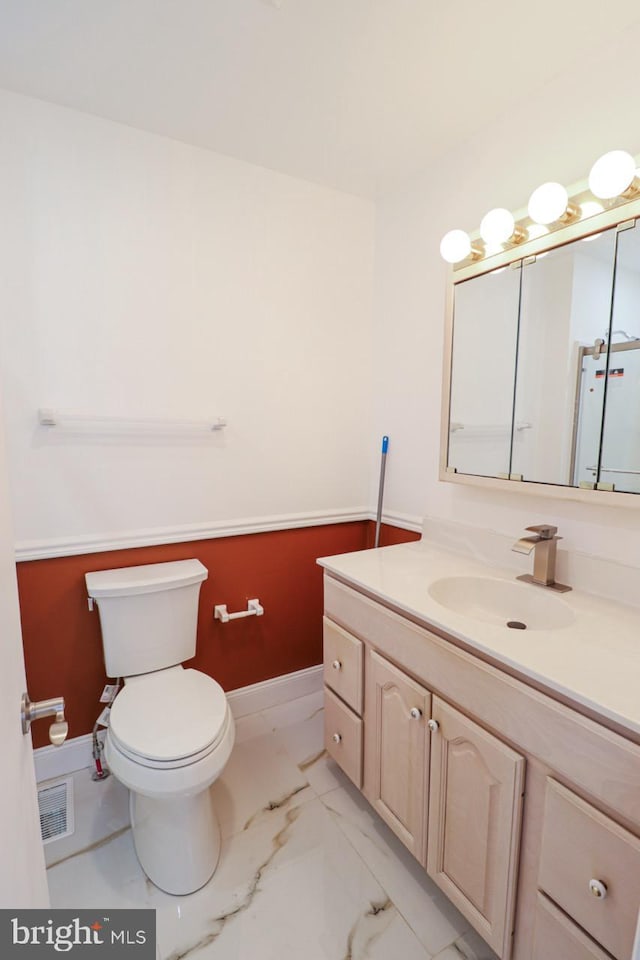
[(545, 367), (565, 308), (482, 373)]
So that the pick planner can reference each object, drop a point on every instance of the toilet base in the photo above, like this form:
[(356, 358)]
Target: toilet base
[(177, 839)]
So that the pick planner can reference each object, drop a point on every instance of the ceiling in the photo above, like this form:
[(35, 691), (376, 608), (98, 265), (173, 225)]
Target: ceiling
[(355, 94)]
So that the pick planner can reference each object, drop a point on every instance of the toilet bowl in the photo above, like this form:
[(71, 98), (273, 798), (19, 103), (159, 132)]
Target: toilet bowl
[(171, 730), (169, 738)]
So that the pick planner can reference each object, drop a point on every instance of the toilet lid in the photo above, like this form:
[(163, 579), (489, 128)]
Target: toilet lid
[(169, 715)]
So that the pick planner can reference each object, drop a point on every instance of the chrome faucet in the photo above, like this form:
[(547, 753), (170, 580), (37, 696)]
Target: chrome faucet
[(544, 543)]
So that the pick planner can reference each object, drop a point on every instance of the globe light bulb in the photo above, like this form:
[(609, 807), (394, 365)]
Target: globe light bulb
[(548, 203), (497, 226), (455, 246), (612, 174)]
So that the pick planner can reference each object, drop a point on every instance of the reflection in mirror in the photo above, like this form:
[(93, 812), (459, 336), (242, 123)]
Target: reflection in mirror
[(485, 329), (565, 309), (620, 461)]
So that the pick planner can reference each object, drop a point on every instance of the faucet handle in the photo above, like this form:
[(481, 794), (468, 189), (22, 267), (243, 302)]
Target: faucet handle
[(545, 531)]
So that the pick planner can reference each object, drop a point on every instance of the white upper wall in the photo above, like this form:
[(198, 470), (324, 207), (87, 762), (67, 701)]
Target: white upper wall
[(555, 135), (147, 278)]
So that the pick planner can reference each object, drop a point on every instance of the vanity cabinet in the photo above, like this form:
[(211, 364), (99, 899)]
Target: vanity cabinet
[(512, 801), (451, 791)]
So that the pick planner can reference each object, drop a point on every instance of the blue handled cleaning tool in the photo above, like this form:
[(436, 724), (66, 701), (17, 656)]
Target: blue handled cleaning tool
[(383, 463)]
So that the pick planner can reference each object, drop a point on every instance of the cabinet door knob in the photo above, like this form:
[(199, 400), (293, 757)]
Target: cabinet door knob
[(415, 713), (336, 665), (598, 889), (337, 737), (433, 725)]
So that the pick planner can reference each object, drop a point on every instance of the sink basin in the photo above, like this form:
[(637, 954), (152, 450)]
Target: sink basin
[(502, 602)]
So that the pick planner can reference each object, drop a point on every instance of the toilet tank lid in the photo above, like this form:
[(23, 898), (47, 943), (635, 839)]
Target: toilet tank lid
[(149, 578)]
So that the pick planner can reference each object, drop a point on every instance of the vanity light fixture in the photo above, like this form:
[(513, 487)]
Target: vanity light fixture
[(590, 209), (613, 182), (499, 226), (613, 175), (456, 246), (549, 203), (535, 231)]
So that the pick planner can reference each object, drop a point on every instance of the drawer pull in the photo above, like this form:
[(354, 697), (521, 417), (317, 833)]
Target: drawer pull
[(433, 725), (337, 738), (336, 665), (598, 889), (415, 713)]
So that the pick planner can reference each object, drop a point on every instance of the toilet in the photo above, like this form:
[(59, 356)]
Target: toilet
[(171, 730)]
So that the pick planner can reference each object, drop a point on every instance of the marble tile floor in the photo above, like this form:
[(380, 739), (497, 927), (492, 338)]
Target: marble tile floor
[(307, 869)]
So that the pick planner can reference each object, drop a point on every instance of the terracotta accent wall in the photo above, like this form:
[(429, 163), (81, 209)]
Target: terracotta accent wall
[(62, 645), (388, 535)]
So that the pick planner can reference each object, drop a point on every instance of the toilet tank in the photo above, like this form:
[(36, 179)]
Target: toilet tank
[(148, 614)]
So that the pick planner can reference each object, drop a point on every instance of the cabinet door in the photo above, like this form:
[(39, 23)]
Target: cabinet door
[(396, 750), (475, 809)]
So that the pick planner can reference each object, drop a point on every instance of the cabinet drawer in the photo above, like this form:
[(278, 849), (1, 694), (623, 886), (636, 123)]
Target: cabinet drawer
[(581, 844), (343, 736), (554, 935), (343, 664)]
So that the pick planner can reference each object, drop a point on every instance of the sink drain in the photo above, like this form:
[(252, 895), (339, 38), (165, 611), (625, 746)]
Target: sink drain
[(516, 625)]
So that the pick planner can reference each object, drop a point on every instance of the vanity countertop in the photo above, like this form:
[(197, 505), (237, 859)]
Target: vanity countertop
[(594, 661)]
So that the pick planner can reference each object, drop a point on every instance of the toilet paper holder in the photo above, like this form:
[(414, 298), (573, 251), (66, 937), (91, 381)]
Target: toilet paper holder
[(254, 609)]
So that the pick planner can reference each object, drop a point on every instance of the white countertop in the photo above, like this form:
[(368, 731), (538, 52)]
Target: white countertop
[(594, 661)]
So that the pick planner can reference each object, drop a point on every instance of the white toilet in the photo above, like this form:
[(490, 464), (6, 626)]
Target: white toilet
[(171, 730)]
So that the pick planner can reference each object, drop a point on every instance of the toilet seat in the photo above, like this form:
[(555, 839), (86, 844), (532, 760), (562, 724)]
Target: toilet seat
[(165, 764), (168, 719)]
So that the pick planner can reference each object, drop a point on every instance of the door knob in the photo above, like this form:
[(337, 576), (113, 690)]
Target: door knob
[(45, 708), (433, 725), (415, 713)]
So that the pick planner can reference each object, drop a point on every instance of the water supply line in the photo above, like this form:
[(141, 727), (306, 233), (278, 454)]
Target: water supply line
[(101, 771)]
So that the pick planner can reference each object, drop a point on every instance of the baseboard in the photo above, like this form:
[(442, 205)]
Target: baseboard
[(53, 762), (271, 693), (75, 754)]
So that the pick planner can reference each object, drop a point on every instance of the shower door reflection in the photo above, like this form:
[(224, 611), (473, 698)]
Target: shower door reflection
[(620, 453), (620, 460)]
